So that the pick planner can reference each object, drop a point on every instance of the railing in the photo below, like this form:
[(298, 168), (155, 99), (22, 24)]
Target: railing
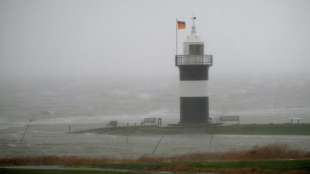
[(193, 60)]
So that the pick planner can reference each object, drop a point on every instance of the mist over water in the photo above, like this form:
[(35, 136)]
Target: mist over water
[(78, 61), (53, 104), (69, 100), (80, 64)]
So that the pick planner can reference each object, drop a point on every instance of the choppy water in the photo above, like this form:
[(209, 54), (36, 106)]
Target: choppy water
[(71, 100), (53, 104), (54, 140)]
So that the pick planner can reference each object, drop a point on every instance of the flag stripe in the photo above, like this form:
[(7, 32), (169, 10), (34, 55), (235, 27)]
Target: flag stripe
[(181, 25)]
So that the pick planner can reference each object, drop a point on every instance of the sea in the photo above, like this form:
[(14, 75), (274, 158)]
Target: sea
[(37, 113)]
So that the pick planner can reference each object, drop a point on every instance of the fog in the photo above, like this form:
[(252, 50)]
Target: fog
[(70, 67), (137, 38), (117, 57)]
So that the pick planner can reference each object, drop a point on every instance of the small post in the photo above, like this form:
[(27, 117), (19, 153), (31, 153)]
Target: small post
[(155, 148), (25, 130)]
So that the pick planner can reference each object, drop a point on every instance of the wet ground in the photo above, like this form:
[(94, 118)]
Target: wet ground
[(55, 140)]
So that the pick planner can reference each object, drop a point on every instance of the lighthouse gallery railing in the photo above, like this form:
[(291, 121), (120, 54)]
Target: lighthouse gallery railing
[(193, 60)]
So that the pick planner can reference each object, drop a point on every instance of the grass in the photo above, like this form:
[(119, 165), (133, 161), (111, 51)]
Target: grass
[(264, 129), (247, 129), (273, 165), (278, 165), (61, 171), (261, 166), (267, 152), (273, 158)]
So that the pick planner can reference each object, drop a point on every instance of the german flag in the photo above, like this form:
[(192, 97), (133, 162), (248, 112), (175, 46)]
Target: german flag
[(181, 25)]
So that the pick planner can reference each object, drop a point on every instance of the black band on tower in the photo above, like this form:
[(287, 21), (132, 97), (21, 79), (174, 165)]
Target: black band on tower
[(194, 72), (194, 109)]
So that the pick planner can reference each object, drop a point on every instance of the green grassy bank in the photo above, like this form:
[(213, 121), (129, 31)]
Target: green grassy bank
[(61, 171), (264, 129), (246, 129), (261, 166)]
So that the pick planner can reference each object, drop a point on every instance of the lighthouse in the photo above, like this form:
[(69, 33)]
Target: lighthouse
[(193, 67)]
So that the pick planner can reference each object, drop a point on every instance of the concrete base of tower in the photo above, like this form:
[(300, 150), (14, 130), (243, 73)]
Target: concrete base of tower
[(194, 110)]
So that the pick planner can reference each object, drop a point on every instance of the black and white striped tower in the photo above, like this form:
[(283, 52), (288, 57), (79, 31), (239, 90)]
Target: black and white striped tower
[(193, 68)]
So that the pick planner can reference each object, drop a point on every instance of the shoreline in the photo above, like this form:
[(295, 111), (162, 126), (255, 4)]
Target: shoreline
[(235, 129), (272, 158)]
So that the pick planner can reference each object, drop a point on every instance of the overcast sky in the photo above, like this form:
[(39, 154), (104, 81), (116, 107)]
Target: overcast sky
[(101, 37)]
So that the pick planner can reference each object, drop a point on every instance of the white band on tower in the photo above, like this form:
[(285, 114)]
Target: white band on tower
[(194, 88)]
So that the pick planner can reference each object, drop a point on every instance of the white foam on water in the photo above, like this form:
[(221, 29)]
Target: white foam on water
[(12, 145)]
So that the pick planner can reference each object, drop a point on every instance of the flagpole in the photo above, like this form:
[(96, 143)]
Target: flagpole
[(176, 37)]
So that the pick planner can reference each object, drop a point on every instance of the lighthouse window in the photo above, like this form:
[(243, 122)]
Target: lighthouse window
[(196, 49)]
